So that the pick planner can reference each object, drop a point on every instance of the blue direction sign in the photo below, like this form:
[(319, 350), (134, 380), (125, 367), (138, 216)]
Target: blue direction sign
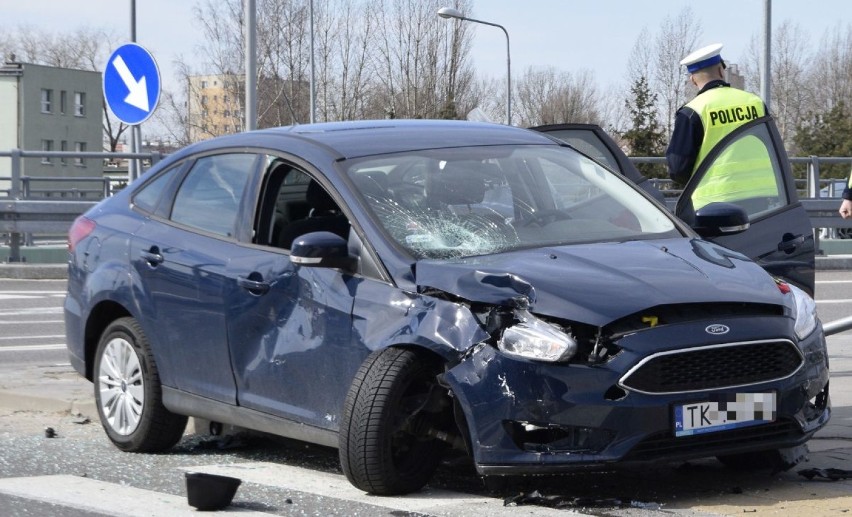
[(131, 83)]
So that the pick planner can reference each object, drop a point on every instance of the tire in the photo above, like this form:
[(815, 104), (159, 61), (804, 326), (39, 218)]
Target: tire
[(377, 453), (128, 394)]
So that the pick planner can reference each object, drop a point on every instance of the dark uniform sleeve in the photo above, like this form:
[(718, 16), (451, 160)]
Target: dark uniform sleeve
[(847, 192), (684, 146)]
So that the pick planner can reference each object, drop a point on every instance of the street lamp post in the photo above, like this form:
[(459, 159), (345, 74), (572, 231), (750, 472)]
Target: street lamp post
[(449, 12)]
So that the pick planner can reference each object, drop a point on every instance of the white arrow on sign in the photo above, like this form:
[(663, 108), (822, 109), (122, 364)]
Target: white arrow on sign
[(138, 95)]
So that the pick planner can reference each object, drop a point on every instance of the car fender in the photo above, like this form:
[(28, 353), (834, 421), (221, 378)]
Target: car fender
[(445, 327)]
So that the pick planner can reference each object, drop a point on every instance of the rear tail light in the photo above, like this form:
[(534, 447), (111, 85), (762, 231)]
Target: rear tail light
[(81, 229)]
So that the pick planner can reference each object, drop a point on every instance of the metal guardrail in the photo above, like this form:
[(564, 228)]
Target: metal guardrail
[(29, 210), (26, 210)]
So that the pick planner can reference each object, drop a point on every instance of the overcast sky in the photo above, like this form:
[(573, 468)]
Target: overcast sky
[(571, 35)]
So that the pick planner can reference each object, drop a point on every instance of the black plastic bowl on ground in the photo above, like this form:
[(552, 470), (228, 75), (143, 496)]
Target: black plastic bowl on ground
[(210, 491)]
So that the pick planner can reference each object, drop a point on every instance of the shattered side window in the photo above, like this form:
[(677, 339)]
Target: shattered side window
[(455, 203)]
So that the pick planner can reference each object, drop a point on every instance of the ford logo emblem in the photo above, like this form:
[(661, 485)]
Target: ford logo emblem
[(717, 329)]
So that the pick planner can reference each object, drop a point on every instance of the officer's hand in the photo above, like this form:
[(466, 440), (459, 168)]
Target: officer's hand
[(846, 209)]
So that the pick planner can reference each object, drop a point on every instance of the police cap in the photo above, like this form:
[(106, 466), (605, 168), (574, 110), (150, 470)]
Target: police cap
[(703, 57)]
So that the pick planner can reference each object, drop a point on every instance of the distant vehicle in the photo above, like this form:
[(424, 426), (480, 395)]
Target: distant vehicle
[(402, 290)]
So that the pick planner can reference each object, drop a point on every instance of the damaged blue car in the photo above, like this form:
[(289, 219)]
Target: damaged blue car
[(403, 289)]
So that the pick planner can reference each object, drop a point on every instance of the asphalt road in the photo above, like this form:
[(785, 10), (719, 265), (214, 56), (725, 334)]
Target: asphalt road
[(79, 473)]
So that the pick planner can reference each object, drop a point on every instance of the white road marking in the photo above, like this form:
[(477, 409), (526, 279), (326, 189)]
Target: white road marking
[(104, 498), (44, 293), (55, 336), (30, 348), (31, 312), (428, 501), (30, 322)]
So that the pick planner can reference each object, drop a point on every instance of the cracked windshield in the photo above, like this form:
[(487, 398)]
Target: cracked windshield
[(455, 203)]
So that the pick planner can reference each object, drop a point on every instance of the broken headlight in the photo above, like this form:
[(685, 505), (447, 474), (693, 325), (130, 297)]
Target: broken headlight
[(532, 338)]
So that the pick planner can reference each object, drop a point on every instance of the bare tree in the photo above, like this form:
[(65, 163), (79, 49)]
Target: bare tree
[(831, 70), (676, 39), (549, 96), (173, 115), (791, 96), (417, 65), (658, 60)]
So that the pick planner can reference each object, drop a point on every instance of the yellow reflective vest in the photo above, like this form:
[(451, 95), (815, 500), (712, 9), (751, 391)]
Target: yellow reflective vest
[(740, 172)]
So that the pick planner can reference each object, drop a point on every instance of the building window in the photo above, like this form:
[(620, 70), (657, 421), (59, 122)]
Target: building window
[(63, 146), (204, 84), (46, 145), (46, 101), (79, 104), (79, 147), (227, 113), (203, 99), (63, 101)]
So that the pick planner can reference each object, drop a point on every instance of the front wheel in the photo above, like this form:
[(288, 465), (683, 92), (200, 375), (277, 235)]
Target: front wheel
[(392, 406), (128, 392)]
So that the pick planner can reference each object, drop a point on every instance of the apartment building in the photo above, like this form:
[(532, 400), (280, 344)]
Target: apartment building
[(215, 105), (50, 109)]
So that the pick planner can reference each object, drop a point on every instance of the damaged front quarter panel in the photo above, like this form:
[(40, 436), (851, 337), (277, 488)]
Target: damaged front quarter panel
[(384, 316)]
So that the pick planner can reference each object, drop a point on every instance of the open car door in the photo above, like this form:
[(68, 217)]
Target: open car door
[(780, 236), (593, 141)]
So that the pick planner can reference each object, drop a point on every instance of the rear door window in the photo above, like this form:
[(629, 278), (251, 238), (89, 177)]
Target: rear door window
[(209, 197)]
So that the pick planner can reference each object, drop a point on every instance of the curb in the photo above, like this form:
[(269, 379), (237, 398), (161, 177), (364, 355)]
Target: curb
[(18, 401), (834, 263)]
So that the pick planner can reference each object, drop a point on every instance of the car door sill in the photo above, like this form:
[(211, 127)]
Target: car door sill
[(183, 403)]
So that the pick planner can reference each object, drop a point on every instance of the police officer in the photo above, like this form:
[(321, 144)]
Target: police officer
[(716, 111), (846, 204)]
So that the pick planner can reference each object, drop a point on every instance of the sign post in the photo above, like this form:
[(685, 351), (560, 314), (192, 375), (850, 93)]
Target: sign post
[(131, 82)]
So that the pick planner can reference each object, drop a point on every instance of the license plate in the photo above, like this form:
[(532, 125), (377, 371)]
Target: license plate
[(724, 411)]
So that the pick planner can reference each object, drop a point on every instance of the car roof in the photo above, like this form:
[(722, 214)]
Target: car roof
[(371, 137)]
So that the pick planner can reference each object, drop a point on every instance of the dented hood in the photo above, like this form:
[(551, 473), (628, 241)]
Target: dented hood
[(599, 283)]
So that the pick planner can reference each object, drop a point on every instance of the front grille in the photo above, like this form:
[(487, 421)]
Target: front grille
[(664, 445), (714, 367)]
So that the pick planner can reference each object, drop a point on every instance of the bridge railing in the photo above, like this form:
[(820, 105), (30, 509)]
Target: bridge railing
[(32, 206)]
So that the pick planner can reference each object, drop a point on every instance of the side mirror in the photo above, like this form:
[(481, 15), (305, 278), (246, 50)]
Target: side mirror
[(322, 249), (718, 219)]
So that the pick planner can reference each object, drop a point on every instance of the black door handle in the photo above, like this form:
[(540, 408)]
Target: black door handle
[(789, 244), (253, 286), (152, 256)]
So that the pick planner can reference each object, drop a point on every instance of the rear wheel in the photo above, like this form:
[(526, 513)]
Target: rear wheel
[(393, 403), (128, 392)]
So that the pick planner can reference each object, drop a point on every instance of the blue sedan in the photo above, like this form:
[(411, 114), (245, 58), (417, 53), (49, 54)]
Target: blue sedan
[(401, 290)]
